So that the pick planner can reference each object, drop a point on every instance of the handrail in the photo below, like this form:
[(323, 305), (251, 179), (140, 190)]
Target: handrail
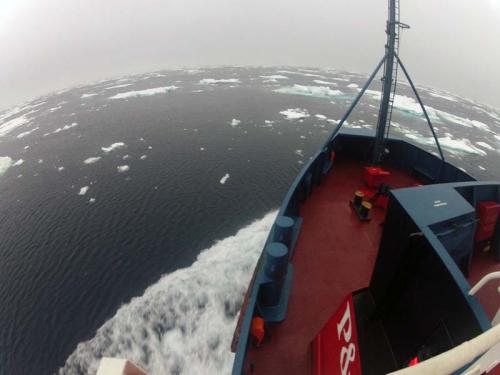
[(489, 277), (456, 358)]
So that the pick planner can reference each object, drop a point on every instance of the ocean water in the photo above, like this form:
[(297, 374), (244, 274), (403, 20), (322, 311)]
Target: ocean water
[(133, 209)]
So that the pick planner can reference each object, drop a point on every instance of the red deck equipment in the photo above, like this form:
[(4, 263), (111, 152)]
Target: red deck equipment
[(487, 214), (374, 176)]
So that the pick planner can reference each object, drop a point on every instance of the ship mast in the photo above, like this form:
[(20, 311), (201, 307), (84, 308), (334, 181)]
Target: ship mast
[(391, 61), (389, 81)]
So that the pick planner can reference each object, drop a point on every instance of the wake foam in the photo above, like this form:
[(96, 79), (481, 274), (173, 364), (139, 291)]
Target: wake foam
[(184, 323)]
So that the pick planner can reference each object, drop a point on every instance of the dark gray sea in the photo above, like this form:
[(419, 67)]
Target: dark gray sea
[(133, 210)]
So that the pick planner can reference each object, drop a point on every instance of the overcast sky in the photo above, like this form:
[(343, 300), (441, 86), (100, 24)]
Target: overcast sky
[(48, 45)]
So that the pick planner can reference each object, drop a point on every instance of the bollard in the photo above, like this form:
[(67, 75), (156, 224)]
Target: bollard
[(284, 230), (275, 271)]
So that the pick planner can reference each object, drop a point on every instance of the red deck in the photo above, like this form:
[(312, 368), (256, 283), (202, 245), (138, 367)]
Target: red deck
[(327, 232), (326, 235)]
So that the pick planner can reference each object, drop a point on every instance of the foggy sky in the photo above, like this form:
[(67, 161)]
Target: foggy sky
[(47, 45)]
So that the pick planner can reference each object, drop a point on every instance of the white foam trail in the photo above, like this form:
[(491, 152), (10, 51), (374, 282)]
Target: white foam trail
[(352, 86), (141, 93), (235, 122), (113, 147), (88, 95), (184, 323), (5, 164)]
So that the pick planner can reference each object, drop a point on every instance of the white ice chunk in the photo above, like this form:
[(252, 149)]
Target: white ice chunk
[(8, 126), (84, 96), (142, 93), (5, 163), (28, 132), (314, 91), (123, 168), (83, 190), (40, 161), (65, 127), (143, 157), (18, 162), (59, 169), (235, 122), (224, 178), (113, 146), (321, 82), (352, 86), (320, 116), (92, 160), (92, 200), (295, 113)]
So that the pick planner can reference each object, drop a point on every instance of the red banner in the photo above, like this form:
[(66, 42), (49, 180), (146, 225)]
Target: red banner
[(335, 348)]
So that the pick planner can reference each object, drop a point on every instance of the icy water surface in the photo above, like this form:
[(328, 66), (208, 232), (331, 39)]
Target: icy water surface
[(133, 210)]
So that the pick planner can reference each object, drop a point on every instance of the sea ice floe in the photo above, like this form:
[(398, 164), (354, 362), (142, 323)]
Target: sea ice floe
[(40, 161), (320, 116), (5, 163), (59, 169), (300, 73), (92, 200), (143, 157), (453, 145), (352, 86), (125, 157), (273, 78), (442, 96), (224, 179), (83, 190), (92, 160), (485, 145), (481, 167), (321, 82), (89, 95), (113, 146), (142, 93), (28, 132), (123, 168), (117, 86), (314, 91), (295, 113), (213, 81), (12, 124), (299, 152), (235, 122), (18, 162)]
